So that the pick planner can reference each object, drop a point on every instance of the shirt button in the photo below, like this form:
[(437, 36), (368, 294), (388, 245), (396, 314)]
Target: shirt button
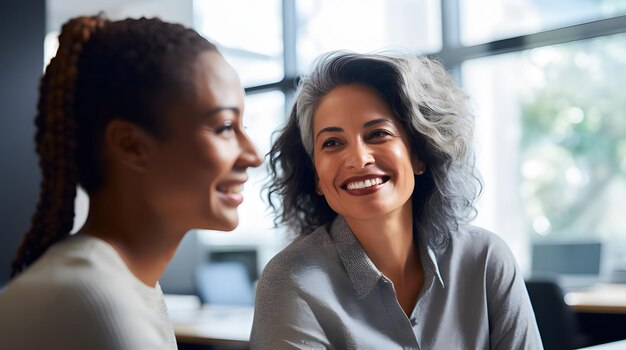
[(413, 321)]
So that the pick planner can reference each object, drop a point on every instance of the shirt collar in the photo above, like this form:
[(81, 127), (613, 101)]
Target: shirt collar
[(364, 275), (429, 256)]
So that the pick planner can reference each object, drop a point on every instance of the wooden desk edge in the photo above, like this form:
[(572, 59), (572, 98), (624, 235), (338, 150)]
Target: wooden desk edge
[(600, 309), (191, 339)]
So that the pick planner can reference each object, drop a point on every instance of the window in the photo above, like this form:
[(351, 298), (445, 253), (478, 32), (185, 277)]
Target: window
[(365, 25), (249, 33), (546, 77), (552, 139), (484, 21)]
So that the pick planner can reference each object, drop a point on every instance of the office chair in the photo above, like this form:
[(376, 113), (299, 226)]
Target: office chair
[(224, 283), (556, 320)]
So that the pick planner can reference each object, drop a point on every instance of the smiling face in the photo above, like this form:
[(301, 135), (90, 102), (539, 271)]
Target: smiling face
[(361, 153), (197, 175)]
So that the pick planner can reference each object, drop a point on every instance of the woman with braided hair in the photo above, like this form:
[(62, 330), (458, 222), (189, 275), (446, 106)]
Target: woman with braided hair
[(146, 116)]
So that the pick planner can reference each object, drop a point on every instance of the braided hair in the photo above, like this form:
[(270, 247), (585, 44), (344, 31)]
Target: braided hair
[(124, 69)]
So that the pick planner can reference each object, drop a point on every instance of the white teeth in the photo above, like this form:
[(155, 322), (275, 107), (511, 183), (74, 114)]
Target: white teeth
[(363, 184), (236, 189)]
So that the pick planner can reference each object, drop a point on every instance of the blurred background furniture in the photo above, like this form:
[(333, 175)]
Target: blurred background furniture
[(216, 274), (224, 283), (209, 327), (557, 322), (570, 295), (577, 265), (618, 345), (603, 298), (601, 311)]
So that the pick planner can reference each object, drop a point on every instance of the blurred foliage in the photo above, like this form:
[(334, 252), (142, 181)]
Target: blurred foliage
[(573, 141)]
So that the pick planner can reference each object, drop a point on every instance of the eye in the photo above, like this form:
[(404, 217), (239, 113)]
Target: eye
[(226, 129), (330, 143), (379, 133)]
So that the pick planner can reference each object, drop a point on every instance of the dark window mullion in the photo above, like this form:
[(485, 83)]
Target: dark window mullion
[(456, 55)]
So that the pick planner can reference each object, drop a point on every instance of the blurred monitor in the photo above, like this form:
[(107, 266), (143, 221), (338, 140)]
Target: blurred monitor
[(575, 264)]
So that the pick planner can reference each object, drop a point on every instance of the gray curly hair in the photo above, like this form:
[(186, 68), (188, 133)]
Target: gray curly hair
[(436, 114)]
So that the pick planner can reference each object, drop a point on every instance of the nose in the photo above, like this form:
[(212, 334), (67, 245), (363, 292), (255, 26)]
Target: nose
[(249, 156), (358, 156)]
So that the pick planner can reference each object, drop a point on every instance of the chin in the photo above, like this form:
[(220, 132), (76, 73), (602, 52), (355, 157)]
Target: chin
[(369, 213), (226, 224), (217, 224), (230, 227)]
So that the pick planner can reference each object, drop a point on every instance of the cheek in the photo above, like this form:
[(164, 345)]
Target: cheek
[(403, 156), (323, 169), (218, 158), (200, 159)]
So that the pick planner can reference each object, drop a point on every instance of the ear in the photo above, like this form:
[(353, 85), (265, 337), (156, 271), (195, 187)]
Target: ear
[(128, 144), (318, 189), (419, 167)]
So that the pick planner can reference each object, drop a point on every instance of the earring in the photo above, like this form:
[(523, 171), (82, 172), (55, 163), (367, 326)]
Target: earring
[(420, 172)]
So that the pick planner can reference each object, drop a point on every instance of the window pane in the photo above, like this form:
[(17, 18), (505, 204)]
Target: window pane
[(551, 139), (366, 25), (249, 33), (487, 20)]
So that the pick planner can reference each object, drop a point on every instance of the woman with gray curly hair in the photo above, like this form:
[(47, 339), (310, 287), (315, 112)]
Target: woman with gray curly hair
[(374, 171)]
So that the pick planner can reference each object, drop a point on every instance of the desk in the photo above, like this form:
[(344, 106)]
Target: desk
[(210, 324), (618, 345), (603, 299)]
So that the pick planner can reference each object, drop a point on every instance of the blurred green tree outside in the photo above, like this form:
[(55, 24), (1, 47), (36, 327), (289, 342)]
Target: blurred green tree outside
[(573, 142)]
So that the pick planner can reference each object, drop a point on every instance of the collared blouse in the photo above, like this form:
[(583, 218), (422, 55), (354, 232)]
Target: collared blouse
[(323, 292)]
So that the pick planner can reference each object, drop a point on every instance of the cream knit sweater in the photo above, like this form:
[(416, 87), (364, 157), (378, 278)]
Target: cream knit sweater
[(81, 295)]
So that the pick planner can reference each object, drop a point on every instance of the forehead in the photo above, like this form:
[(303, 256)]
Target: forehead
[(216, 83), (351, 104)]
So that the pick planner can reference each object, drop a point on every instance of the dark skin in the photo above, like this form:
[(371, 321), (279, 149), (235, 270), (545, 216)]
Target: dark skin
[(158, 189)]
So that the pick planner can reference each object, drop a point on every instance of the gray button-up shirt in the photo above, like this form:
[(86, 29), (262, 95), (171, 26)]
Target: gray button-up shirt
[(323, 291)]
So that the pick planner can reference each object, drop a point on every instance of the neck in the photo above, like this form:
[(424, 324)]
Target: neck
[(144, 244), (388, 241)]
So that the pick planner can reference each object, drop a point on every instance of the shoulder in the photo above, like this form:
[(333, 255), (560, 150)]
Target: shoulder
[(304, 253), (307, 261), (474, 242), (76, 273), (480, 251), (486, 254), (287, 289), (52, 306), (73, 274), (76, 266), (79, 288)]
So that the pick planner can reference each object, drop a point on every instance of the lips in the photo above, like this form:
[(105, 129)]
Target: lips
[(230, 192)]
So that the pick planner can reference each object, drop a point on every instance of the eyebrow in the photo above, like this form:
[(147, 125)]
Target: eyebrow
[(329, 129), (365, 126), (217, 110), (378, 121)]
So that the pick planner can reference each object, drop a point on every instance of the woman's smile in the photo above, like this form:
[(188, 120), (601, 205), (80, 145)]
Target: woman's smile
[(364, 185), (231, 192)]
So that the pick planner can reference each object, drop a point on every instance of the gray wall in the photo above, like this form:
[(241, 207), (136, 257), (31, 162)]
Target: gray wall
[(22, 30)]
